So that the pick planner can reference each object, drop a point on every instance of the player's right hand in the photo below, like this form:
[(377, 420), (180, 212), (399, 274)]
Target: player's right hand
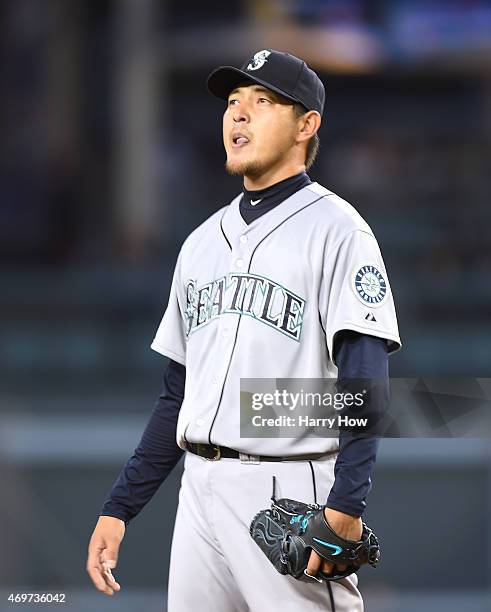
[(103, 553)]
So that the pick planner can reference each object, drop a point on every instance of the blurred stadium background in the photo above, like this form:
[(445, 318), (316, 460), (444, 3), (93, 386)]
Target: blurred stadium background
[(111, 153)]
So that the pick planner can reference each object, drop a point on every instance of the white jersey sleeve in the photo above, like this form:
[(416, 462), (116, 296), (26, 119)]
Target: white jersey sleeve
[(355, 292), (170, 339)]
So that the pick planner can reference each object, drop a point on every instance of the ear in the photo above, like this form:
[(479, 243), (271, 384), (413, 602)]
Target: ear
[(308, 125)]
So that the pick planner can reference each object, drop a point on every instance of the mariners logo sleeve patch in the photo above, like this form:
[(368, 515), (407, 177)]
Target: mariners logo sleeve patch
[(370, 286)]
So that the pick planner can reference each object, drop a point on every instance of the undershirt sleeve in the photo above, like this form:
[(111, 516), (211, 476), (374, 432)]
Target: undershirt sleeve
[(155, 456), (358, 356)]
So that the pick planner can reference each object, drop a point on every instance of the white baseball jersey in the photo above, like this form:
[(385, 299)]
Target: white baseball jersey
[(266, 300)]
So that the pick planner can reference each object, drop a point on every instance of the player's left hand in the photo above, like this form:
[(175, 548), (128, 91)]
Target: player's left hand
[(346, 526)]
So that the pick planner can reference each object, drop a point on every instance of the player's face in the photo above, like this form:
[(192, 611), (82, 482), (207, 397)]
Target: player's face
[(259, 129)]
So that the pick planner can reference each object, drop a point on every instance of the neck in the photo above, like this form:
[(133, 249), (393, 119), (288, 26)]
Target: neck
[(271, 177)]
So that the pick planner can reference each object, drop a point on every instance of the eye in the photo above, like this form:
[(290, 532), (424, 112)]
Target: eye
[(232, 101), (264, 100)]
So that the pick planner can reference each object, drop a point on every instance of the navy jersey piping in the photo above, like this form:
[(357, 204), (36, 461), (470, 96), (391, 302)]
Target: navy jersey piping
[(223, 233), (313, 481)]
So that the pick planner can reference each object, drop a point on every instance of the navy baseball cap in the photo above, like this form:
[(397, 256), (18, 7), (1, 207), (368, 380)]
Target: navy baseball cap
[(281, 72)]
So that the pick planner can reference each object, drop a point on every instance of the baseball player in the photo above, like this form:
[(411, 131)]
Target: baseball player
[(286, 281)]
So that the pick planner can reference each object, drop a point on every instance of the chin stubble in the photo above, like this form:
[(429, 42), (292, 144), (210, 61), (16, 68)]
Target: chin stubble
[(242, 169)]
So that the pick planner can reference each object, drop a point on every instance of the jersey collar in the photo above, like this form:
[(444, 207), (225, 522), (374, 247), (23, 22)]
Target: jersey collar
[(234, 226)]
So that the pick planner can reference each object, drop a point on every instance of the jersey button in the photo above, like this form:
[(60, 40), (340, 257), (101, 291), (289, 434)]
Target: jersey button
[(239, 263), (243, 239), (225, 333), (200, 422)]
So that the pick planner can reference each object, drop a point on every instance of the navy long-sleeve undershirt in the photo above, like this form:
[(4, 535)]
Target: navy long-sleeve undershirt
[(357, 356), (155, 456)]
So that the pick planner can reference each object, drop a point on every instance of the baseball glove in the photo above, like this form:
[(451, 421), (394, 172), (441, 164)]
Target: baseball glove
[(289, 530)]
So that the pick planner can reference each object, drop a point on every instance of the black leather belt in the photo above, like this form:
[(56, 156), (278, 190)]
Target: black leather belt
[(214, 453)]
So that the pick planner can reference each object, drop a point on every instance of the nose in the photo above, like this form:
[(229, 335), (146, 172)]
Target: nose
[(240, 114)]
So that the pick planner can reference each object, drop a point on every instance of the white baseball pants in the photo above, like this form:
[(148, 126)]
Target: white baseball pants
[(217, 567)]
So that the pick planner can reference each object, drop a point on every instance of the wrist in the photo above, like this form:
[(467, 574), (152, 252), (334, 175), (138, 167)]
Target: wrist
[(342, 514), (110, 518), (344, 525), (346, 504)]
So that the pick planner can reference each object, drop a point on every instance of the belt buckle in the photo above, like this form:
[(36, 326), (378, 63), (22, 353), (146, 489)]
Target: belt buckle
[(205, 447), (216, 456)]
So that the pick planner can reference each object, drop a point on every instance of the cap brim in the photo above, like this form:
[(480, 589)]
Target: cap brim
[(225, 79)]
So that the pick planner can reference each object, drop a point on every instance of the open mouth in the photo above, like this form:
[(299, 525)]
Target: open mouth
[(239, 140)]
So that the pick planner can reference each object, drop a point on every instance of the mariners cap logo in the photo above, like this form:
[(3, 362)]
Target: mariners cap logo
[(370, 285), (259, 59)]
